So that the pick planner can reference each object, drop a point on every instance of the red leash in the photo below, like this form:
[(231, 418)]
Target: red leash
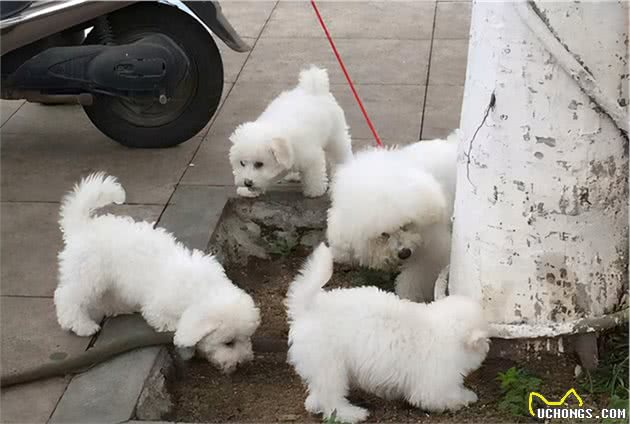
[(345, 72)]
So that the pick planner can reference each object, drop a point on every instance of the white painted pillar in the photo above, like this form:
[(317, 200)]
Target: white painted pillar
[(541, 215)]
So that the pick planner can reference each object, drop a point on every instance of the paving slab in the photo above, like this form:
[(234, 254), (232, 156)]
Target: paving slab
[(31, 403), (233, 61), (29, 240), (353, 19), (211, 166), (452, 20), (108, 392), (448, 62), (442, 111), (368, 61), (395, 110), (248, 17), (53, 120), (193, 212), (31, 230), (31, 335), (41, 167), (8, 108)]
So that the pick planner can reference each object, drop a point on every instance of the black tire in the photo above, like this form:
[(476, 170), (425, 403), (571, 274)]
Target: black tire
[(130, 123)]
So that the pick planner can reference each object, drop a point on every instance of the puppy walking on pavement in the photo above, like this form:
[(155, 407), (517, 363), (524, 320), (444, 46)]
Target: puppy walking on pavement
[(112, 265), (366, 338), (302, 131)]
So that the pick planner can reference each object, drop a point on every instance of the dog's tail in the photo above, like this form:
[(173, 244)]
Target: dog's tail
[(314, 275), (314, 81), (93, 192)]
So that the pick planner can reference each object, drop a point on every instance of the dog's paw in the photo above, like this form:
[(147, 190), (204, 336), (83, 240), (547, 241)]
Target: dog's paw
[(461, 398), (314, 191), (85, 329), (293, 177), (245, 192), (311, 404), (468, 397), (351, 414)]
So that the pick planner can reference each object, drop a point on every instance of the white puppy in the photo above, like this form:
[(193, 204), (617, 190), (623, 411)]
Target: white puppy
[(391, 210), (112, 265), (298, 132), (369, 339)]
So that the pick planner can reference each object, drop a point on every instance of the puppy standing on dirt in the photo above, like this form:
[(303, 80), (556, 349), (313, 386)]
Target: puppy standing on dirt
[(391, 208), (366, 338), (112, 265), (298, 133)]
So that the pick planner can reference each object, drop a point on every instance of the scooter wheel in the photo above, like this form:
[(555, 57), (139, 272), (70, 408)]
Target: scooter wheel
[(149, 123)]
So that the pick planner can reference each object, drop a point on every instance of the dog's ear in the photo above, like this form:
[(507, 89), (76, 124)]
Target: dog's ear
[(282, 151), (194, 324)]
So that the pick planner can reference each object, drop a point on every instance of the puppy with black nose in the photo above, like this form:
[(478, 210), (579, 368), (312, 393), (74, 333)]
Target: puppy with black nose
[(302, 136), (391, 208), (404, 253)]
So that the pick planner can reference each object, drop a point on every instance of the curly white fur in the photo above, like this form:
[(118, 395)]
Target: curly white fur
[(366, 338), (390, 209), (112, 265), (303, 130)]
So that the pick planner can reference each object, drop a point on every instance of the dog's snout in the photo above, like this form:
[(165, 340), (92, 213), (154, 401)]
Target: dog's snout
[(248, 183), (404, 253)]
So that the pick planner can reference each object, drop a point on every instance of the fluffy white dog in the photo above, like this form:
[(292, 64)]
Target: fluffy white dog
[(391, 210), (112, 265), (298, 133), (369, 339)]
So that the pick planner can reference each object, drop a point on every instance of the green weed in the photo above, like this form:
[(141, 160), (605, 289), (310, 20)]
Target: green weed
[(332, 419), (281, 247), (516, 384)]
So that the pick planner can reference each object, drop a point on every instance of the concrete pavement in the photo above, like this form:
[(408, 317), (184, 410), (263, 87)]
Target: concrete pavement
[(407, 60)]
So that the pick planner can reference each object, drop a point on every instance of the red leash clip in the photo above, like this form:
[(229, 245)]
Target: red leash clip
[(345, 72)]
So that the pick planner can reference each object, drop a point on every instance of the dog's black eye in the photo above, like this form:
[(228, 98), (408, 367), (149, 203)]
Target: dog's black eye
[(385, 235), (230, 343), (258, 165), (242, 164)]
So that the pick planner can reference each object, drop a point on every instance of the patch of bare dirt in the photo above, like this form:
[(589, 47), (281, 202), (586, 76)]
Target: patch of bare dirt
[(268, 390)]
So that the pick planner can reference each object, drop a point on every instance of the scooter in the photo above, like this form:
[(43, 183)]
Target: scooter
[(148, 74)]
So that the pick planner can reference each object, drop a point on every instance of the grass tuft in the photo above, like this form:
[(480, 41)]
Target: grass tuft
[(516, 384)]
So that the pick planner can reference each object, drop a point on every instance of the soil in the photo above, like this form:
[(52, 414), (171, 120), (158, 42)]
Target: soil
[(268, 390)]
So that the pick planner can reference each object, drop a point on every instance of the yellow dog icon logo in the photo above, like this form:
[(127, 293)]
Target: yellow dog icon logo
[(551, 403)]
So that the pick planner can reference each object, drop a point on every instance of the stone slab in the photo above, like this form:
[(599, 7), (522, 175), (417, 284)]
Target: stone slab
[(30, 239), (8, 108), (248, 17), (43, 167), (442, 111), (233, 61), (453, 19), (193, 213), (108, 392), (448, 62), (353, 19), (368, 61), (31, 403), (31, 335)]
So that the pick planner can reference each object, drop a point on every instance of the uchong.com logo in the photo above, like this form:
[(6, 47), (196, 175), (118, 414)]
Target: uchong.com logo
[(560, 409)]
